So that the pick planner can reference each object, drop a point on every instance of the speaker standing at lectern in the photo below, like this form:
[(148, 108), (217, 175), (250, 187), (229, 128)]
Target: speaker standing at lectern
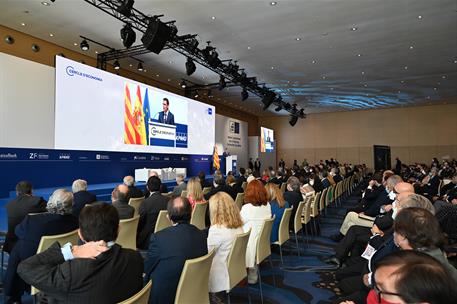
[(166, 116)]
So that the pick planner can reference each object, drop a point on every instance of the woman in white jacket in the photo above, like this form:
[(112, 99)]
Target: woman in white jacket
[(226, 223)]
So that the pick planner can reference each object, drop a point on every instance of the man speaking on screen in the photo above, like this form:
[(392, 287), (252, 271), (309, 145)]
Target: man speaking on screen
[(166, 116)]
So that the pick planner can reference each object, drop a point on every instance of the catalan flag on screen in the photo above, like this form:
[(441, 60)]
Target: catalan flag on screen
[(216, 161)]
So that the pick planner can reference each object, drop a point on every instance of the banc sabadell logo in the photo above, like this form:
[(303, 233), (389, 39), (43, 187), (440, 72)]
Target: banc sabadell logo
[(72, 72)]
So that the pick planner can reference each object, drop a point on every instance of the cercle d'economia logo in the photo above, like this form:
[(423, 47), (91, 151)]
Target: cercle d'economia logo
[(72, 72)]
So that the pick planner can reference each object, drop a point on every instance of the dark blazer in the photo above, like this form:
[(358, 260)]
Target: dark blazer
[(149, 211), (134, 192), (16, 211), (381, 199), (170, 118), (80, 199), (163, 189), (168, 251), (325, 183), (205, 183), (337, 178), (432, 188), (112, 277), (124, 210), (29, 233), (227, 189), (293, 198)]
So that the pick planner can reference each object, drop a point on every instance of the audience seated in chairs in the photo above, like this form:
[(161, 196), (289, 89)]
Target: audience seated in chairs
[(134, 192), (149, 211), (81, 196), (170, 248), (180, 185), (226, 223), (231, 182), (253, 213), (120, 198), (194, 192), (278, 204), (293, 196), (220, 185), (99, 271), (163, 187), (59, 219), (18, 208)]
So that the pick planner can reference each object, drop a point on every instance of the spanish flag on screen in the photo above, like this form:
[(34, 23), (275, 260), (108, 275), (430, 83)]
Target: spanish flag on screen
[(216, 161), (129, 125), (134, 120)]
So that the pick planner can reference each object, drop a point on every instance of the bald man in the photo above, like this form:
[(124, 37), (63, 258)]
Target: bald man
[(120, 198)]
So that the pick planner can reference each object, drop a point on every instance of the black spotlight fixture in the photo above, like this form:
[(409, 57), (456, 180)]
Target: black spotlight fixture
[(279, 107), (116, 65), (301, 113), (287, 106), (233, 68), (268, 99), (293, 120), (156, 36), (183, 84), (190, 66), (125, 7), (222, 83), (140, 66), (192, 45), (244, 94), (84, 45), (128, 35)]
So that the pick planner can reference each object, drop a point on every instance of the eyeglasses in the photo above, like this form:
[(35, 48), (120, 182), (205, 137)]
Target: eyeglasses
[(379, 292)]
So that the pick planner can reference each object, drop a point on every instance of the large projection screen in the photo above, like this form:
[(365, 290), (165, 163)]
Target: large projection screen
[(96, 110)]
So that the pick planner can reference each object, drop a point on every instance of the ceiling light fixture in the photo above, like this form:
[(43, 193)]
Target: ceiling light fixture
[(45, 3), (140, 66), (244, 94), (23, 24), (116, 65), (128, 35), (353, 28), (298, 39), (183, 84), (51, 35), (411, 47), (273, 3), (84, 45), (190, 66), (75, 44), (213, 17), (419, 17)]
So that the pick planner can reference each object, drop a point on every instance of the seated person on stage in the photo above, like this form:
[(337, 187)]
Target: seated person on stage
[(18, 208), (120, 199), (149, 211), (163, 187), (100, 271), (59, 219), (170, 248), (181, 185), (81, 196), (134, 192), (219, 185)]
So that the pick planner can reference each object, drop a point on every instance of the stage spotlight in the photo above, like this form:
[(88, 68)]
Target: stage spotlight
[(84, 45), (222, 83), (268, 99), (125, 8), (128, 35), (244, 94), (287, 106), (301, 113), (279, 107), (210, 93), (196, 94), (116, 65), (140, 67), (190, 66), (156, 36), (213, 59), (233, 68), (293, 120), (183, 84)]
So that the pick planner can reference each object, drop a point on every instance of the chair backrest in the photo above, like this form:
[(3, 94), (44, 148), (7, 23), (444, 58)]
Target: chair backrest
[(244, 185), (184, 193), (263, 242), (198, 215), (283, 232), (283, 187), (321, 203), (162, 221), (141, 297), (307, 212), (315, 206), (236, 260), (239, 200), (127, 232), (440, 186), (206, 190), (297, 219), (193, 283), (135, 202), (168, 195)]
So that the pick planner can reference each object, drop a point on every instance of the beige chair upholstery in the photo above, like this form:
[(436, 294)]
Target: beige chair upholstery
[(236, 261), (193, 283), (162, 221), (127, 232), (283, 232), (184, 193), (264, 250), (239, 200), (244, 185), (283, 187), (206, 190), (135, 202), (141, 297), (47, 240), (198, 215), (168, 195), (297, 223)]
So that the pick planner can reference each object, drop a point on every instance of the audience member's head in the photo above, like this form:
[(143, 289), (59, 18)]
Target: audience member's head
[(385, 175), (403, 187), (275, 194), (224, 212), (413, 200), (129, 181), (242, 171), (250, 178), (153, 173), (194, 189), (79, 185), (392, 181), (201, 175), (60, 202), (218, 179), (24, 188), (411, 277), (154, 183), (230, 179), (255, 193), (293, 184), (179, 210), (120, 194), (179, 179), (98, 222), (417, 229)]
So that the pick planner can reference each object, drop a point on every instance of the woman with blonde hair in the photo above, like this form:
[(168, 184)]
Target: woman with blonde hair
[(226, 223), (194, 192), (278, 204)]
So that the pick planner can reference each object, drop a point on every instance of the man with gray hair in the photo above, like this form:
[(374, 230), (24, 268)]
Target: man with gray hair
[(81, 196), (57, 220), (181, 185), (293, 196), (219, 185), (134, 192), (120, 199)]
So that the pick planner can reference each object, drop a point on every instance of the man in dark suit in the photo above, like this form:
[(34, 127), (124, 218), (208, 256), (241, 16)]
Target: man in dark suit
[(431, 189), (81, 196), (100, 271), (163, 187), (170, 248), (57, 220), (120, 198), (166, 116), (18, 208), (149, 211), (134, 192), (257, 165), (293, 196), (219, 185), (251, 164)]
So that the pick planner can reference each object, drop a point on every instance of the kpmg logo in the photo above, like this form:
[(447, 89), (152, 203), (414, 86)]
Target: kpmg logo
[(72, 72), (65, 156)]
